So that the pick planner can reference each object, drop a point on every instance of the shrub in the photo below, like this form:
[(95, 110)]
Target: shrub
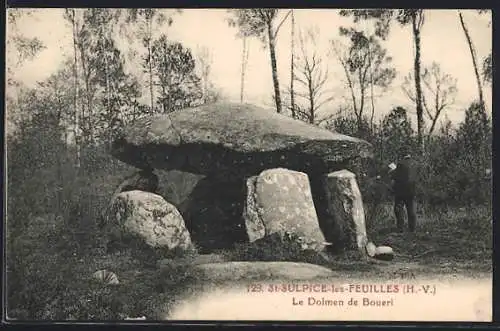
[(451, 167), (276, 247)]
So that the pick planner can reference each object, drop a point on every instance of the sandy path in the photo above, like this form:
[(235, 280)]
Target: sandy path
[(389, 292)]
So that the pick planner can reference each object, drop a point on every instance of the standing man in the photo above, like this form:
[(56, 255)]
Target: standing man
[(404, 180)]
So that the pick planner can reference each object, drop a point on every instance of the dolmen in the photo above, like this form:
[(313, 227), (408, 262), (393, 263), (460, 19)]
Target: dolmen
[(264, 174)]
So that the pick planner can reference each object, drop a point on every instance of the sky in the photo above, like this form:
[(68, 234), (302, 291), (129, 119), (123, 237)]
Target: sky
[(443, 41)]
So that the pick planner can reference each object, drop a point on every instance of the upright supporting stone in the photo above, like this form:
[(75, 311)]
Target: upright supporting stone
[(145, 180), (345, 206), (279, 201)]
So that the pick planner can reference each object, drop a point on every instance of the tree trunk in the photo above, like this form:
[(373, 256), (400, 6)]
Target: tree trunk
[(277, 96), (418, 86), (292, 74), (361, 108), (86, 74), (150, 60), (371, 89), (151, 94), (108, 91), (311, 109), (350, 84), (361, 102), (75, 101), (60, 176), (165, 99), (474, 58), (134, 112), (205, 84), (433, 125), (243, 69), (311, 97)]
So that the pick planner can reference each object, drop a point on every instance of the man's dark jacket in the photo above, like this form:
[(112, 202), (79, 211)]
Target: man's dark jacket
[(404, 177)]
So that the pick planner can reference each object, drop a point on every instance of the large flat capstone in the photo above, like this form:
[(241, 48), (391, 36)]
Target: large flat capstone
[(231, 138)]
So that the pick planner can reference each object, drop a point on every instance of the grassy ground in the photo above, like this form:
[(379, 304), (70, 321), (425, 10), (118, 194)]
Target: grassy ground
[(57, 283), (452, 235)]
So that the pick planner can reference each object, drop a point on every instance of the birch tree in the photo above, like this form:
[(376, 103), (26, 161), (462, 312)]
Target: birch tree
[(244, 62), (261, 23), (438, 94), (414, 18), (473, 54), (204, 62), (70, 15), (145, 22), (366, 66), (292, 65), (311, 77)]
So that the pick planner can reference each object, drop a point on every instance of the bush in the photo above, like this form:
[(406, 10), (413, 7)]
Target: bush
[(276, 248), (451, 168)]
